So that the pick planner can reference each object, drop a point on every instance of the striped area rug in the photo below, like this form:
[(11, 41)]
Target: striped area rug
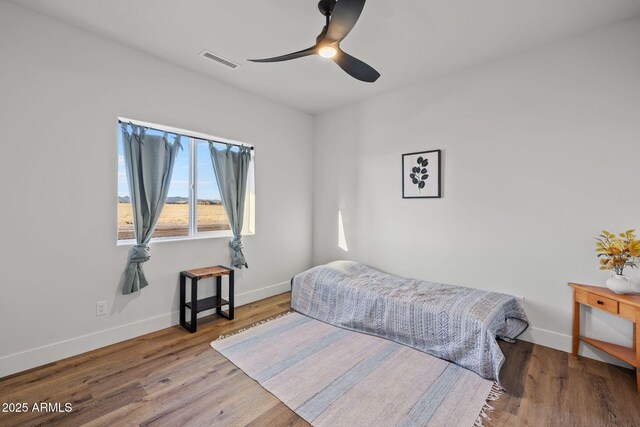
[(334, 377)]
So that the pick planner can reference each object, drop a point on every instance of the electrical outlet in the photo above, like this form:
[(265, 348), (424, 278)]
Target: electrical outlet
[(520, 299), (101, 308)]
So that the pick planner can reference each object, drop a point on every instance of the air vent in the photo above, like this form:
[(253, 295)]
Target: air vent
[(217, 58)]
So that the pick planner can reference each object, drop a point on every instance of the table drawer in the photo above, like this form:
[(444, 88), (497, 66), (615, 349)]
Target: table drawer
[(602, 303)]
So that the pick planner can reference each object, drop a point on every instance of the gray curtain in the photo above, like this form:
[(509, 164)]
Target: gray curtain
[(231, 166), (149, 161)]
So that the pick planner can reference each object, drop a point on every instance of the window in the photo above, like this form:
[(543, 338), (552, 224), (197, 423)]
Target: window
[(193, 208), (210, 214)]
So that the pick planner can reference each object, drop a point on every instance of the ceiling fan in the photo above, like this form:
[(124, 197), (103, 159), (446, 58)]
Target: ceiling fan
[(341, 16)]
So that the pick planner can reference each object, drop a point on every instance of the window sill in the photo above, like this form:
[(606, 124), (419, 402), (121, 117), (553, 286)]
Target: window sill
[(201, 236)]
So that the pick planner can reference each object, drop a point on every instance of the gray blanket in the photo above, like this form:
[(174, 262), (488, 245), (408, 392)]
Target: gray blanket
[(450, 322)]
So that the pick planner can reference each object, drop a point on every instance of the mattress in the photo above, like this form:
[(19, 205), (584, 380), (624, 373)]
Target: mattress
[(453, 323)]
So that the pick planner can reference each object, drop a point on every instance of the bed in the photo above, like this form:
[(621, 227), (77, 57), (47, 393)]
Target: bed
[(454, 323)]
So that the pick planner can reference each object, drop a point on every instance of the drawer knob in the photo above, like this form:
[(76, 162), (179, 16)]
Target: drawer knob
[(600, 302)]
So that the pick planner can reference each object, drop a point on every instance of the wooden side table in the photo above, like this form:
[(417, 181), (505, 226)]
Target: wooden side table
[(625, 306), (195, 305)]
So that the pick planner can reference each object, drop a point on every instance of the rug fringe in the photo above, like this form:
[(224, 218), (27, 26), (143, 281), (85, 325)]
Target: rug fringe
[(279, 316), (494, 394)]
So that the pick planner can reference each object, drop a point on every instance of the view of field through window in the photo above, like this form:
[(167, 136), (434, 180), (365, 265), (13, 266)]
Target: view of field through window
[(174, 220), (210, 214)]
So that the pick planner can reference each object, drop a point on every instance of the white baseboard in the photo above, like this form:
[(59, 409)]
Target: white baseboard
[(563, 342), (27, 359), (262, 293), (39, 356)]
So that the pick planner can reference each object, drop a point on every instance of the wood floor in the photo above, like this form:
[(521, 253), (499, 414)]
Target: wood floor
[(175, 378)]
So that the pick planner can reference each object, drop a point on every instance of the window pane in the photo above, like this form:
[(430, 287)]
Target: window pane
[(174, 220), (125, 214), (210, 214)]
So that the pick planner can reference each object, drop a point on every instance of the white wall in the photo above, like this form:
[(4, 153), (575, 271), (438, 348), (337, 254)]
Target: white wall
[(540, 151), (61, 91)]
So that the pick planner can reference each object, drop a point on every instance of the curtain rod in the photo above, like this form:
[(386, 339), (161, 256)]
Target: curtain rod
[(181, 133)]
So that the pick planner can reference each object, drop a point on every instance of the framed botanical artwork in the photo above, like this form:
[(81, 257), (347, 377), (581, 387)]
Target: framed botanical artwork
[(421, 173)]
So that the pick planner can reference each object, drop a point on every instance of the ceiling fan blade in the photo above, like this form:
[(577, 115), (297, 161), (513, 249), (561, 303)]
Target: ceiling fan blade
[(343, 18), (356, 68), (299, 54)]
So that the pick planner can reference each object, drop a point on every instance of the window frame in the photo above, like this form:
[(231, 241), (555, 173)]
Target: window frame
[(193, 138)]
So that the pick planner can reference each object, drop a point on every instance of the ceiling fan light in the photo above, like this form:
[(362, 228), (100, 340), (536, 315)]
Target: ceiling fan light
[(328, 51)]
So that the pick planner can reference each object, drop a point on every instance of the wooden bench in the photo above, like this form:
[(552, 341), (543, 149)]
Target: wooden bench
[(195, 305)]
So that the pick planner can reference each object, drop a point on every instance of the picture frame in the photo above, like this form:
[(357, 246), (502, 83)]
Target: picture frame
[(421, 175)]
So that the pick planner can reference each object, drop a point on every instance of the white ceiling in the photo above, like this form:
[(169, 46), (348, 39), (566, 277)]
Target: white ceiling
[(406, 41)]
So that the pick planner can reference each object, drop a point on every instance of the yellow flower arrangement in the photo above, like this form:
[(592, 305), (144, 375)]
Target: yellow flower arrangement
[(617, 252)]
